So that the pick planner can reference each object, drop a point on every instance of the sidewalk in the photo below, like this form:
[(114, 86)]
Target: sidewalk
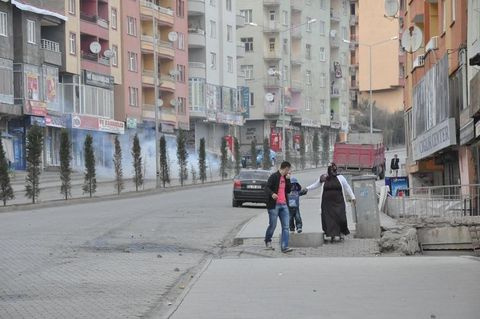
[(335, 288)]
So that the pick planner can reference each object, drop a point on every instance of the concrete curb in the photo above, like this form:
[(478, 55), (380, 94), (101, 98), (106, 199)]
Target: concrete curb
[(86, 200)]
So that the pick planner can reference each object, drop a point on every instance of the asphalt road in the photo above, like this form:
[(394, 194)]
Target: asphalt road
[(123, 258)]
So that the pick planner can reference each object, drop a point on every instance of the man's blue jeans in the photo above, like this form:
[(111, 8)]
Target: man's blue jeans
[(282, 212)]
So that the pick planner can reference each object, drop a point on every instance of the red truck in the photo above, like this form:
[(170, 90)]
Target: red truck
[(362, 153)]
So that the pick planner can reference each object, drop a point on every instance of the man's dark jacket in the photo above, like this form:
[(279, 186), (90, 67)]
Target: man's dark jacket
[(272, 188), (394, 163)]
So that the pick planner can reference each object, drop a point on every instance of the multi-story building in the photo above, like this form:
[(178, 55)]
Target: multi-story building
[(212, 51), (286, 68), (379, 36), (435, 94), (340, 40)]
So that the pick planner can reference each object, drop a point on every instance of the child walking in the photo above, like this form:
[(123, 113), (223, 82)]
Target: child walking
[(294, 205)]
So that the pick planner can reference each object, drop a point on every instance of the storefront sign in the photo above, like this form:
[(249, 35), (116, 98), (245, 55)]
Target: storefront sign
[(245, 101), (36, 120), (168, 128), (111, 126), (35, 108), (100, 80), (275, 141), (33, 91), (55, 121), (467, 132), (311, 123), (439, 137), (231, 119), (131, 122), (85, 122), (335, 124)]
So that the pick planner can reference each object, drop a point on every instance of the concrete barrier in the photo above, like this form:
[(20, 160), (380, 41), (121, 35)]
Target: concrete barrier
[(311, 240)]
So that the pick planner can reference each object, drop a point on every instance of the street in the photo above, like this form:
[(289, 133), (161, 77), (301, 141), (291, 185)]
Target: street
[(112, 259)]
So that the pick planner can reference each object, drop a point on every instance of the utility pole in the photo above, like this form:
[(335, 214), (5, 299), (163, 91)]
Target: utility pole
[(156, 82)]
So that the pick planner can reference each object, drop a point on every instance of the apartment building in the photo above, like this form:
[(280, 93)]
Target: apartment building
[(212, 51), (340, 81), (379, 35), (435, 95), (286, 68)]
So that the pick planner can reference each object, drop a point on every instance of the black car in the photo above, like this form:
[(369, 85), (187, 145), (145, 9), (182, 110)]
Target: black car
[(249, 186)]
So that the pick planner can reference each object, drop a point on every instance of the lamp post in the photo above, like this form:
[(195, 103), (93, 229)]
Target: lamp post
[(370, 46), (279, 74)]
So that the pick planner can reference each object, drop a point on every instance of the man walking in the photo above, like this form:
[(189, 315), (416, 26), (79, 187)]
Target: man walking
[(394, 165), (278, 186)]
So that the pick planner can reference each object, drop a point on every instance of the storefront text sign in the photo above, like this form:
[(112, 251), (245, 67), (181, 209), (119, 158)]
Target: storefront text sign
[(85, 122), (55, 121), (439, 137), (100, 80), (35, 108), (111, 126)]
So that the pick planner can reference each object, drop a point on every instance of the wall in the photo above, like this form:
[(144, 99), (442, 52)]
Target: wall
[(6, 43), (115, 39), (181, 57), (387, 100)]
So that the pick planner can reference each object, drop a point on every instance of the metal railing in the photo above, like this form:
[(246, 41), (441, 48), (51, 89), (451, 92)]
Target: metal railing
[(155, 7), (436, 201), (199, 65), (50, 45)]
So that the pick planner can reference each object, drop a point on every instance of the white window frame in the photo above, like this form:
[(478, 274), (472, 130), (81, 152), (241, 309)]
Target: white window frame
[(181, 69), (115, 55), (285, 17), (308, 25), (308, 77), (323, 54), (131, 26), (133, 96), (323, 4), (31, 32), (133, 61), (230, 64), (308, 103), (228, 5), (323, 80), (72, 7), (248, 14), (247, 71), (213, 60), (213, 29), (229, 33), (114, 16), (308, 51), (323, 27), (181, 41), (72, 39), (3, 24), (248, 44)]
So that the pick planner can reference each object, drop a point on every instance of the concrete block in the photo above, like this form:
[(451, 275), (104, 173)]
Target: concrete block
[(306, 240)]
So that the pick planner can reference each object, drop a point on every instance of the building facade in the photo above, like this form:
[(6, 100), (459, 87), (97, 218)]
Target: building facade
[(212, 51), (435, 94)]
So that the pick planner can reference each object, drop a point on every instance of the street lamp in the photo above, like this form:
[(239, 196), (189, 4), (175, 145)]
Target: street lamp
[(370, 46), (278, 73)]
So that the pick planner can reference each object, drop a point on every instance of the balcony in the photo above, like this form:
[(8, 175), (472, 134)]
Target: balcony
[(240, 21), (334, 16), (296, 60), (196, 38), (150, 9), (272, 55), (353, 20), (103, 23), (240, 50), (335, 42), (271, 27), (94, 25), (196, 7), (271, 3), (148, 77), (198, 112), (51, 52), (296, 33), (167, 83), (334, 92), (297, 86), (297, 5), (272, 109), (272, 82), (197, 70), (168, 114), (164, 48)]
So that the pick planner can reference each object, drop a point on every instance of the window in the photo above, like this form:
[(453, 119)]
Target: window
[(248, 15), (132, 61), (212, 3), (71, 7), (272, 15), (252, 99), (454, 10), (181, 41), (309, 25), (308, 77), (115, 55), (285, 46), (322, 27), (345, 33), (308, 103), (133, 96), (322, 55), (114, 18), (31, 32), (132, 26), (444, 20), (229, 33), (213, 60), (308, 51), (3, 24), (271, 42), (213, 29), (73, 43), (181, 73), (322, 106), (180, 8), (248, 44), (182, 105), (229, 5), (323, 4), (323, 80), (230, 64), (248, 71), (285, 73), (285, 17)]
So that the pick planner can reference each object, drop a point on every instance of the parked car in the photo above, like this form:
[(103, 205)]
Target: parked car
[(249, 187), (273, 157)]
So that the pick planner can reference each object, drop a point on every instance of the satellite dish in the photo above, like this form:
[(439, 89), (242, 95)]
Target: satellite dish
[(271, 72), (269, 97), (173, 73), (160, 102), (109, 54), (95, 47), (172, 36), (412, 39), (173, 102), (391, 8)]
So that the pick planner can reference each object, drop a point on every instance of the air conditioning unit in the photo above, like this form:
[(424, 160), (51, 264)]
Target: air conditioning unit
[(419, 61), (432, 45)]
